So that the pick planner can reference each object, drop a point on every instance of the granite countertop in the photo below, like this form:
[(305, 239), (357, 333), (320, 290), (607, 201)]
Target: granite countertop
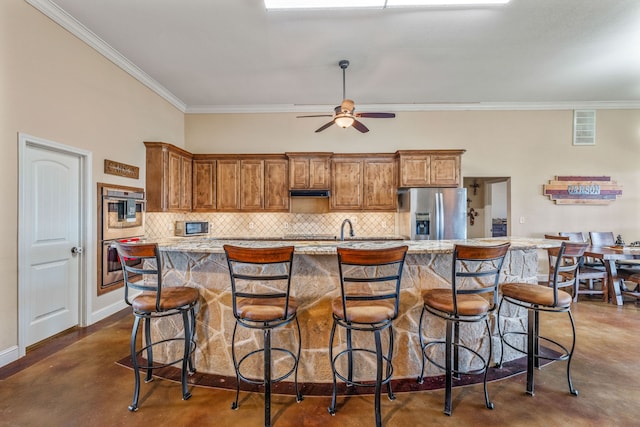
[(328, 247)]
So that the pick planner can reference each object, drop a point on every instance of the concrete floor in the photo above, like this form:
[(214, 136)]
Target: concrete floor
[(80, 385)]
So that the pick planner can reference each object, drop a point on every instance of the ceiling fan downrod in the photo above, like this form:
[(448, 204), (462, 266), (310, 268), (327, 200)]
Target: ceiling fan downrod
[(344, 64)]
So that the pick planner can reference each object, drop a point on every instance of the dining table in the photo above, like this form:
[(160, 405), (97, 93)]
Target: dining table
[(610, 255)]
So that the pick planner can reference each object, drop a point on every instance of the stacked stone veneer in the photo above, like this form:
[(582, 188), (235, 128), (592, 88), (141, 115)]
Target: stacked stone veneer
[(315, 283)]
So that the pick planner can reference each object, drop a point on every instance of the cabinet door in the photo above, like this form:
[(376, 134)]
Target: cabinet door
[(380, 190), (276, 185), (251, 185), (445, 170), (346, 184), (319, 173), (228, 185), (186, 176), (174, 179), (299, 173), (204, 185), (415, 171)]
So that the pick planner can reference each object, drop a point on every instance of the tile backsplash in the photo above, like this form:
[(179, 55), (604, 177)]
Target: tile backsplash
[(268, 224)]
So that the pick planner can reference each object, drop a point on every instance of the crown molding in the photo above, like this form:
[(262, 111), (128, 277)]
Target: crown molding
[(479, 106), (66, 21)]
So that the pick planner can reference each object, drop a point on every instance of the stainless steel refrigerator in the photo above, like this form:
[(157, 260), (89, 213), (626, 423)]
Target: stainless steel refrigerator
[(433, 213)]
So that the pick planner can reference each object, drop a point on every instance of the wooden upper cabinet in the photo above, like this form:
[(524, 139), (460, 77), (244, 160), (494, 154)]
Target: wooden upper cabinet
[(346, 183), (429, 168), (251, 185), (309, 171), (168, 178), (445, 170), (204, 185), (276, 185), (228, 185), (415, 170), (380, 189), (364, 182)]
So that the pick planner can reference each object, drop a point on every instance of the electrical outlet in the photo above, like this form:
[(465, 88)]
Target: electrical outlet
[(384, 224), (522, 220), (286, 225), (251, 225)]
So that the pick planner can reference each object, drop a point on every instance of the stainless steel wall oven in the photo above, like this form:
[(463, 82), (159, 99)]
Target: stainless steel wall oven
[(121, 218)]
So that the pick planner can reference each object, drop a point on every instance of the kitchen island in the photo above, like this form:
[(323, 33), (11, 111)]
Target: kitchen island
[(201, 263)]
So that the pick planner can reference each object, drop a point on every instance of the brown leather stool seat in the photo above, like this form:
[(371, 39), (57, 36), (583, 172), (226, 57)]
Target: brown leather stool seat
[(156, 301)]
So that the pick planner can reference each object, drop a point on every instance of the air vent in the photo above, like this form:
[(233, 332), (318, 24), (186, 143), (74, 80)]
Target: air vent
[(584, 127)]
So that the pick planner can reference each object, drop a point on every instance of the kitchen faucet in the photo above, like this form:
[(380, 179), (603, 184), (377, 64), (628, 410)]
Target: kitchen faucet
[(351, 233)]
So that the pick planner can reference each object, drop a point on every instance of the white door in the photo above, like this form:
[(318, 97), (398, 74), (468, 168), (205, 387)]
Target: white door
[(50, 216)]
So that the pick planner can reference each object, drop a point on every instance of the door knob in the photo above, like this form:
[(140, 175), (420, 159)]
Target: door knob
[(76, 250)]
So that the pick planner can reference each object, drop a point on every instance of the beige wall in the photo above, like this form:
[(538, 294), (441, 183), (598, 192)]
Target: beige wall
[(55, 87), (531, 147)]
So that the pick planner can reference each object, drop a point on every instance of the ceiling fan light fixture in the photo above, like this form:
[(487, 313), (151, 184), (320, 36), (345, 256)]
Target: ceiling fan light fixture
[(344, 121)]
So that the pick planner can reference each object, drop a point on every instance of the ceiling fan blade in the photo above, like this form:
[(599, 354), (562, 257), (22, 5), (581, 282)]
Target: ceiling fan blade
[(317, 115), (376, 115), (359, 126), (323, 127)]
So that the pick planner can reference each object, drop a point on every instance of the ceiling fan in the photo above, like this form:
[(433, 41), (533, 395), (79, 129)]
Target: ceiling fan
[(344, 115)]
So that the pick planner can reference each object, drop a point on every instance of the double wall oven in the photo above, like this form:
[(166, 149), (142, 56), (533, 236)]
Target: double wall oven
[(121, 218)]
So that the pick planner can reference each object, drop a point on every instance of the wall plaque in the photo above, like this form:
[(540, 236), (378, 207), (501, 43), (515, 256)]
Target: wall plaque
[(582, 190), (121, 169)]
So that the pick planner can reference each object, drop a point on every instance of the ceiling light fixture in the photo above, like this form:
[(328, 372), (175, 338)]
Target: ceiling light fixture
[(378, 4), (344, 120)]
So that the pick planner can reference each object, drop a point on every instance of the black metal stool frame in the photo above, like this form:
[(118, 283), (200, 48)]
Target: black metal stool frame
[(241, 256), (564, 274), (487, 255), (375, 258), (127, 252)]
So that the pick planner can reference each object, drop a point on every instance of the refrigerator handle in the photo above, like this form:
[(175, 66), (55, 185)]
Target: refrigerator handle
[(439, 217)]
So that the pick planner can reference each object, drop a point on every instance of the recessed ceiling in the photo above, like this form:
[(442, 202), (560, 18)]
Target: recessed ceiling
[(233, 55)]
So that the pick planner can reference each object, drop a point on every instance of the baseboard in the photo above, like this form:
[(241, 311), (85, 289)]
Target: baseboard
[(105, 312), (9, 355)]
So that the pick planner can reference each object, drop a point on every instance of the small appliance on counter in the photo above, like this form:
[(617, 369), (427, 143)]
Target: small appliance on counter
[(191, 228)]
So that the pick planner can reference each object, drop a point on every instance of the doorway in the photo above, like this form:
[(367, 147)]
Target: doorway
[(52, 237), (488, 206)]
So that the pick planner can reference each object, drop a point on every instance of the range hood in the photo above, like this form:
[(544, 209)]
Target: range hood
[(309, 193)]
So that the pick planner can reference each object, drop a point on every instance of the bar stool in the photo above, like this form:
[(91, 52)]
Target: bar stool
[(368, 302), (154, 302), (551, 299), (475, 270), (260, 288)]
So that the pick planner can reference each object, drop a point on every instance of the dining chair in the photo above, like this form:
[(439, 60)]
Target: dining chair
[(586, 273), (602, 238), (536, 299), (473, 295), (155, 301)]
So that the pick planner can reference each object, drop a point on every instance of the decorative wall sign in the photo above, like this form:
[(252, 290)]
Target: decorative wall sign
[(582, 190), (121, 169)]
